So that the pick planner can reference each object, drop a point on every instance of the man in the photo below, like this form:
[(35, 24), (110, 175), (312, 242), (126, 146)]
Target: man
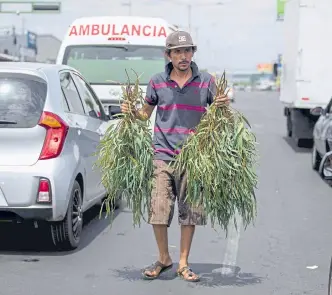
[(181, 95)]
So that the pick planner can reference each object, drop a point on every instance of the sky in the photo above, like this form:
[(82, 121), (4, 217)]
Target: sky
[(235, 36)]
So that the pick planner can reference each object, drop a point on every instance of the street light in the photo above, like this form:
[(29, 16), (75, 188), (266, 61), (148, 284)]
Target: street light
[(35, 7)]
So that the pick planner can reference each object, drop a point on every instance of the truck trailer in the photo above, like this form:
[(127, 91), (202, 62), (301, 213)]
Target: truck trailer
[(306, 78)]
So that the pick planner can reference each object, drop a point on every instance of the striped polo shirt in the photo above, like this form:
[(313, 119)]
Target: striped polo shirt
[(179, 110)]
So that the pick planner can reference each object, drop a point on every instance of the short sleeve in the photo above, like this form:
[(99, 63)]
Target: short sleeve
[(151, 95), (212, 90)]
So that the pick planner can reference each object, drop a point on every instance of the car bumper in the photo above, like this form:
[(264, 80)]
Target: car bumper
[(27, 213), (19, 188)]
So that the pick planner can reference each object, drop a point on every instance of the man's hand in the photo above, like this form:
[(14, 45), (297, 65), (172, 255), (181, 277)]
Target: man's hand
[(143, 114), (222, 100)]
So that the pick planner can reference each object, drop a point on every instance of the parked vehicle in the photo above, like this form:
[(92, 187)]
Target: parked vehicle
[(306, 71), (103, 48), (51, 122), (322, 141)]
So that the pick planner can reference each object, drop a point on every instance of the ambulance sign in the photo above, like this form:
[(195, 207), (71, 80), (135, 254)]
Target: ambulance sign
[(118, 30)]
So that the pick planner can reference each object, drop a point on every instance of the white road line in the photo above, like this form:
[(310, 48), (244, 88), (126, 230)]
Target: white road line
[(232, 247)]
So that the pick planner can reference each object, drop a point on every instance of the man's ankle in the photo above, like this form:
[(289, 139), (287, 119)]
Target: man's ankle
[(183, 262), (165, 259)]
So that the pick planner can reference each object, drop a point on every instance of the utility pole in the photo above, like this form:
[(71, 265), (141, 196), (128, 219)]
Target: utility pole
[(189, 17), (130, 5)]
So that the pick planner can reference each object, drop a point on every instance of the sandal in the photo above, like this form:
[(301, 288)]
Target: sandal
[(187, 274), (154, 268)]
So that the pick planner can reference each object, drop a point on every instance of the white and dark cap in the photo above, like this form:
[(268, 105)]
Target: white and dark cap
[(179, 39)]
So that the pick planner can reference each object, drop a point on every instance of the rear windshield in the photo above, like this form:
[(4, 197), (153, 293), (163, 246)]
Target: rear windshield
[(22, 99)]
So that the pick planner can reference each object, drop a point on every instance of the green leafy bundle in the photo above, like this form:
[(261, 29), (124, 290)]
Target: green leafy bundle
[(125, 158), (219, 159)]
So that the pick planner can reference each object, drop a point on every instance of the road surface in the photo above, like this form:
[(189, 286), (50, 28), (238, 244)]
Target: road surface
[(287, 252)]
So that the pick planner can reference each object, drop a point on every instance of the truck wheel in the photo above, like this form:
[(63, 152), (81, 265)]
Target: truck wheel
[(316, 158), (289, 126), (66, 234)]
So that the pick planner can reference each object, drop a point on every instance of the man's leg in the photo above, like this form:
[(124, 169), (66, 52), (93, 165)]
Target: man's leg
[(161, 214), (187, 234), (189, 217)]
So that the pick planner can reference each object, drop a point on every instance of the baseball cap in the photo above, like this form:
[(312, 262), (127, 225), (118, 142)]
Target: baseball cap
[(179, 39)]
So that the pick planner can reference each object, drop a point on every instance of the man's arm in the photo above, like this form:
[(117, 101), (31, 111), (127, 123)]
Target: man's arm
[(145, 112), (151, 100), (212, 90)]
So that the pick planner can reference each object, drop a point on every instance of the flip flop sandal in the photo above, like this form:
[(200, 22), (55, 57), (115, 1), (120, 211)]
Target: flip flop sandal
[(187, 274), (154, 268)]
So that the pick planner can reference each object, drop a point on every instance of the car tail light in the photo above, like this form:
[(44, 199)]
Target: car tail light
[(56, 134), (44, 191)]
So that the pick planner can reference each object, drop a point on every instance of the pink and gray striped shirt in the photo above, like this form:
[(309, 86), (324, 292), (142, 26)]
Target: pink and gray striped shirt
[(179, 110)]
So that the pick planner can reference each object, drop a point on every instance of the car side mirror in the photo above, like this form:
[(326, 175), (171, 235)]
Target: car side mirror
[(317, 111)]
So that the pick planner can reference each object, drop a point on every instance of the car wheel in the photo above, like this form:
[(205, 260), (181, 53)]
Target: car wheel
[(66, 234), (330, 280), (289, 126), (316, 158)]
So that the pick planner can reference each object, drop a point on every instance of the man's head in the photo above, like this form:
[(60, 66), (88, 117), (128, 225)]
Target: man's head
[(180, 49)]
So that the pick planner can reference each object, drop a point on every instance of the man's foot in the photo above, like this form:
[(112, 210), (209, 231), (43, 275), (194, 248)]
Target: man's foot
[(187, 274), (155, 270)]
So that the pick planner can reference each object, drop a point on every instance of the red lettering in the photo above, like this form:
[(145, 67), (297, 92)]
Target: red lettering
[(114, 30), (84, 30), (162, 32), (114, 33), (136, 30), (73, 31), (95, 30), (147, 31), (125, 30), (104, 31)]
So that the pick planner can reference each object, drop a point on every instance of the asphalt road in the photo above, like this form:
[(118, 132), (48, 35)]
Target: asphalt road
[(287, 252)]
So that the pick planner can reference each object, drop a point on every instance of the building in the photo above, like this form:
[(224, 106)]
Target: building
[(47, 48), (7, 57)]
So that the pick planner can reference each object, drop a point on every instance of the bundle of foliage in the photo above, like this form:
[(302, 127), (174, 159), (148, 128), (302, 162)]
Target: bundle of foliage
[(125, 158), (219, 159)]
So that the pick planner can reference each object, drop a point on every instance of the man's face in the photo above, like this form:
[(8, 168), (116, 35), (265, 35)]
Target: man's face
[(181, 58)]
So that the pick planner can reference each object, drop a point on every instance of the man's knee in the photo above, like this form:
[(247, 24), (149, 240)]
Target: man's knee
[(192, 216), (161, 212)]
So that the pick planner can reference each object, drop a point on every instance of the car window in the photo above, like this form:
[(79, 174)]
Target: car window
[(71, 93), (93, 109), (22, 100)]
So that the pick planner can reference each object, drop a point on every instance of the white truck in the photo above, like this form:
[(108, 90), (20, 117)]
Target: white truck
[(306, 78), (103, 48)]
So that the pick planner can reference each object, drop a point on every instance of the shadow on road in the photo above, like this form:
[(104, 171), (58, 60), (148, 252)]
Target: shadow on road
[(24, 239), (212, 275), (292, 144)]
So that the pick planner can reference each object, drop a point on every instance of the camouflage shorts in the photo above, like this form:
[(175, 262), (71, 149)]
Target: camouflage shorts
[(167, 188)]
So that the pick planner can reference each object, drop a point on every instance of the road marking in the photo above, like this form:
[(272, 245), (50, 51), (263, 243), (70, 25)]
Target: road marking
[(232, 247)]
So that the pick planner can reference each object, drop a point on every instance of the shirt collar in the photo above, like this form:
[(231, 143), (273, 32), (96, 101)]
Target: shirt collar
[(193, 65)]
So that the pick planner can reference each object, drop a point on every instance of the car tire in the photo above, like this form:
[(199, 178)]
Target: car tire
[(330, 279), (315, 158), (66, 234), (289, 126)]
